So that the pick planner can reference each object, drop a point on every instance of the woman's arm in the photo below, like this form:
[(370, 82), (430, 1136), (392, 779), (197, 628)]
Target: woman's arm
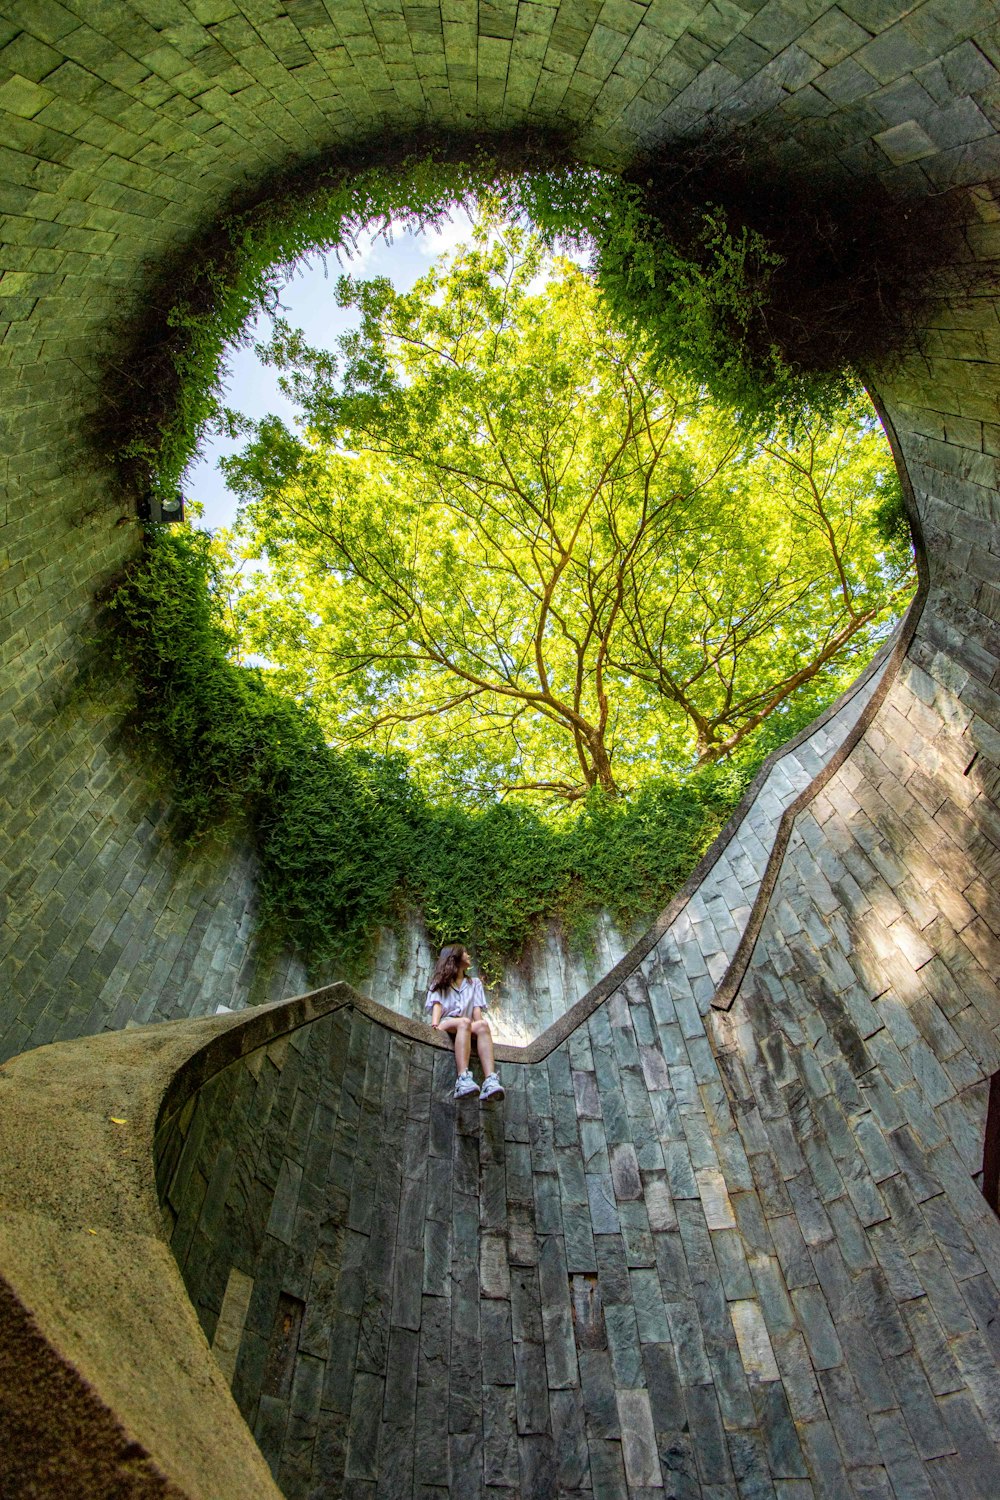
[(436, 1014), (477, 1013)]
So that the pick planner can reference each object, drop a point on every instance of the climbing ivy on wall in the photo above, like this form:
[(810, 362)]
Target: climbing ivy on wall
[(774, 292), (345, 841), (168, 384)]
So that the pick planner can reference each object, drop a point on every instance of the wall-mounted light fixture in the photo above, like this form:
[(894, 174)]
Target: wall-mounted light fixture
[(165, 511)]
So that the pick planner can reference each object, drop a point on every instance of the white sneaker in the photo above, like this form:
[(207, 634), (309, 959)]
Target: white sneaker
[(491, 1090), (464, 1084)]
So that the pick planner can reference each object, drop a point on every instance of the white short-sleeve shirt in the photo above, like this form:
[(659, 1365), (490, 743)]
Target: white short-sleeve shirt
[(459, 1000)]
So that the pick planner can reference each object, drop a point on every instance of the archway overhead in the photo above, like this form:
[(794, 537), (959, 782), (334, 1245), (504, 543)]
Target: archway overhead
[(774, 1209)]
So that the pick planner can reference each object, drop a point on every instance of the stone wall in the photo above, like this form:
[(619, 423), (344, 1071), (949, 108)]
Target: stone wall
[(106, 928), (551, 1296), (766, 1218), (709, 1257)]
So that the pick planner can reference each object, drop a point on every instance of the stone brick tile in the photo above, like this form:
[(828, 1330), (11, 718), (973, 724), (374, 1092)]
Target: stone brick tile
[(597, 1385), (711, 1449), (607, 1470), (976, 1462), (895, 1262), (570, 1439), (919, 1407), (497, 1343)]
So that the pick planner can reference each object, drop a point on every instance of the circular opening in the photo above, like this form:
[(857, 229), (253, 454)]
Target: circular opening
[(344, 831)]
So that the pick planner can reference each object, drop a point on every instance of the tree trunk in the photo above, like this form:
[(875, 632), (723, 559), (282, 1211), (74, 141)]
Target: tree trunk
[(601, 761)]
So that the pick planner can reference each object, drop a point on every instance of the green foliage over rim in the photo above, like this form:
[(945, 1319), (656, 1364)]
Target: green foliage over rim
[(345, 841), (777, 292), (773, 293), (175, 373)]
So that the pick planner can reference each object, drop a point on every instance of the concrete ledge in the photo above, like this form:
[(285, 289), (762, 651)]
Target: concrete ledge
[(107, 1383)]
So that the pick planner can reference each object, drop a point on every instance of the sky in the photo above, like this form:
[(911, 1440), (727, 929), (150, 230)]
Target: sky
[(307, 301)]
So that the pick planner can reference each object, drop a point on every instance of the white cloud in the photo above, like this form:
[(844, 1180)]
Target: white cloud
[(445, 238), (356, 258)]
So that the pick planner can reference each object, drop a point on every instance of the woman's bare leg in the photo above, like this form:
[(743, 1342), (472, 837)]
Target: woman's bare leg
[(484, 1044), (463, 1039), (463, 1046)]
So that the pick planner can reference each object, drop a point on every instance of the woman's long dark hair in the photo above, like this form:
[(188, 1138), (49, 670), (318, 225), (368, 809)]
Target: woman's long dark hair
[(448, 966)]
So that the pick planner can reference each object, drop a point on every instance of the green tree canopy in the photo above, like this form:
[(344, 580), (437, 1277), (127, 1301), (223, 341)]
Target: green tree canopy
[(511, 545)]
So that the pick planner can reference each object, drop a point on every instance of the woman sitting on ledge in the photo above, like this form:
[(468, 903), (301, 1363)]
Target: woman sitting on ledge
[(456, 1003)]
